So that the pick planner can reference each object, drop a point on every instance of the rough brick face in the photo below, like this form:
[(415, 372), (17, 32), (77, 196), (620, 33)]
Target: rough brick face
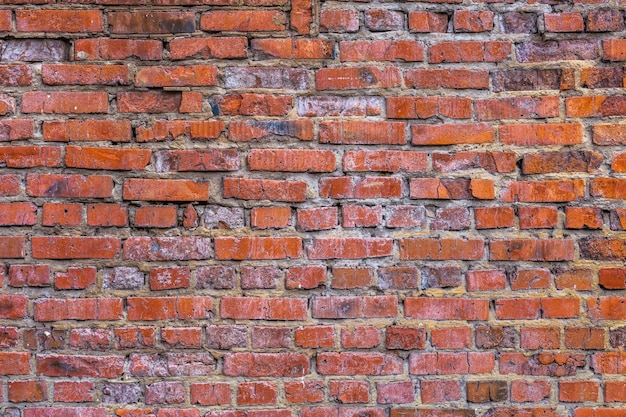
[(303, 208)]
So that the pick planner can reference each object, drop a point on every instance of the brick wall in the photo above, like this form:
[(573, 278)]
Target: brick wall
[(274, 208)]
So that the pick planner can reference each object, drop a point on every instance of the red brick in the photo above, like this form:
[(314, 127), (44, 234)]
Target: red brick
[(365, 188), (80, 366), (614, 391), (353, 363), (69, 186), (15, 75), (156, 216), (361, 216), (5, 20), (257, 189), (428, 22), (441, 249), (605, 20), (355, 307), (446, 78), (612, 278), (16, 129), (528, 279), (532, 249), (243, 21), (13, 306), (59, 21), (29, 276), (584, 338), (349, 248), (266, 130), (349, 392), (529, 391), (64, 74), (270, 217), (75, 247), (520, 108), (107, 158), (567, 161), (205, 48), (293, 48), (595, 106), (74, 392), (314, 337), (469, 51), (76, 278), (27, 391), (165, 190), (152, 22), (53, 102), (451, 338), (406, 107), (134, 337), (163, 130), (256, 393), (551, 191), (614, 188), (304, 392), (541, 134), (364, 51), (262, 308), (113, 49), (313, 106), (107, 215), (182, 337), (345, 278), (167, 248), (18, 214), (258, 248), (472, 20), (437, 391), (301, 16), (583, 218), (87, 130), (357, 78), (486, 280), (167, 278), (210, 394), (339, 20), (446, 308), (614, 49), (494, 217), (164, 308), (14, 363), (362, 337), (563, 22), (395, 392), (321, 218), (363, 133), (537, 217), (266, 364), (31, 156), (405, 338), (176, 76), (451, 134), (9, 185), (539, 338), (254, 104), (305, 277), (581, 391), (291, 160), (78, 309)]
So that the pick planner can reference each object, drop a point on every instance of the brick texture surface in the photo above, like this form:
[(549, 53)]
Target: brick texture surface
[(306, 208)]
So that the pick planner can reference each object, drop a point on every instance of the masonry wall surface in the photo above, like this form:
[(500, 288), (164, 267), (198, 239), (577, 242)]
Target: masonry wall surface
[(274, 208)]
